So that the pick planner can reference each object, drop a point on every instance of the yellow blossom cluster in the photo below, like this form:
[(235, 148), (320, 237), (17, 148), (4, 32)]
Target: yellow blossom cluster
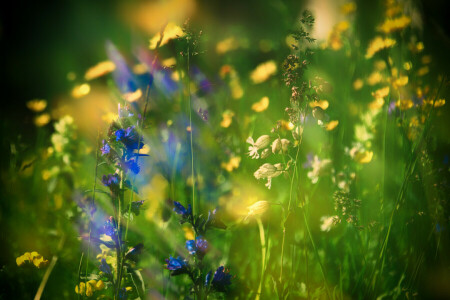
[(89, 287), (378, 44), (392, 25), (33, 257)]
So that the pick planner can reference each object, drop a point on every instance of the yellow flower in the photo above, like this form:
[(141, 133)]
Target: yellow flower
[(378, 44), (331, 125), (404, 104), (169, 62), (42, 120), (376, 104), (232, 164), (172, 31), (348, 8), (81, 90), (100, 69), (140, 69), (323, 104), (227, 118), (423, 71), (363, 157), (37, 105), (226, 45), (358, 84), (437, 103), (374, 78), (400, 81), (261, 105), (133, 96), (81, 288), (33, 257), (391, 25), (263, 71)]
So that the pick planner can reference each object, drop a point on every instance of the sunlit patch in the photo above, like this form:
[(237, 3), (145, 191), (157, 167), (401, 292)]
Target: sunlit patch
[(358, 84), (100, 69), (378, 44), (172, 31), (37, 105), (227, 45), (42, 120), (331, 125), (258, 208), (227, 118), (323, 104), (263, 71), (81, 90), (392, 25), (232, 164), (261, 105), (133, 96)]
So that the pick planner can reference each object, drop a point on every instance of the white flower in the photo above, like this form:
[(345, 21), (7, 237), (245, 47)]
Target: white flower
[(328, 222), (268, 171), (261, 143), (280, 146), (319, 168)]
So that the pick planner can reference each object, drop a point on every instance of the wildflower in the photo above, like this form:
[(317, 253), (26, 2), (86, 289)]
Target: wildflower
[(378, 44), (110, 227), (261, 143), (331, 125), (112, 181), (232, 164), (328, 222), (363, 157), (319, 167), (100, 69), (391, 25), (404, 104), (348, 8), (105, 148), (42, 120), (221, 280), (133, 96), (176, 265), (81, 90), (226, 45), (227, 118), (199, 246), (258, 208), (280, 146), (181, 210), (172, 31), (130, 138), (265, 153), (37, 105), (104, 267), (261, 105), (263, 71), (358, 84), (268, 171), (423, 71), (374, 78), (35, 258), (323, 104), (132, 166)]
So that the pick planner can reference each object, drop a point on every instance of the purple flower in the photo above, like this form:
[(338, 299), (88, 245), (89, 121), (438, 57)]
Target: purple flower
[(199, 246), (106, 149), (221, 279), (110, 227), (129, 138), (104, 267), (112, 181), (391, 107), (181, 210)]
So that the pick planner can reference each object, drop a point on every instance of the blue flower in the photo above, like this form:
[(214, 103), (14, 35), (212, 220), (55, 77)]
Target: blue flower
[(199, 246), (104, 267), (105, 148), (132, 166), (177, 265), (110, 227), (208, 278), (181, 210), (221, 279), (112, 181), (129, 138)]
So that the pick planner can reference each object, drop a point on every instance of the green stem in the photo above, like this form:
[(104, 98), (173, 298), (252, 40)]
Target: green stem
[(263, 255)]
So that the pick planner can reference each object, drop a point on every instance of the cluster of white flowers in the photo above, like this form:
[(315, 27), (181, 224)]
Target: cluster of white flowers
[(319, 168), (269, 171)]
